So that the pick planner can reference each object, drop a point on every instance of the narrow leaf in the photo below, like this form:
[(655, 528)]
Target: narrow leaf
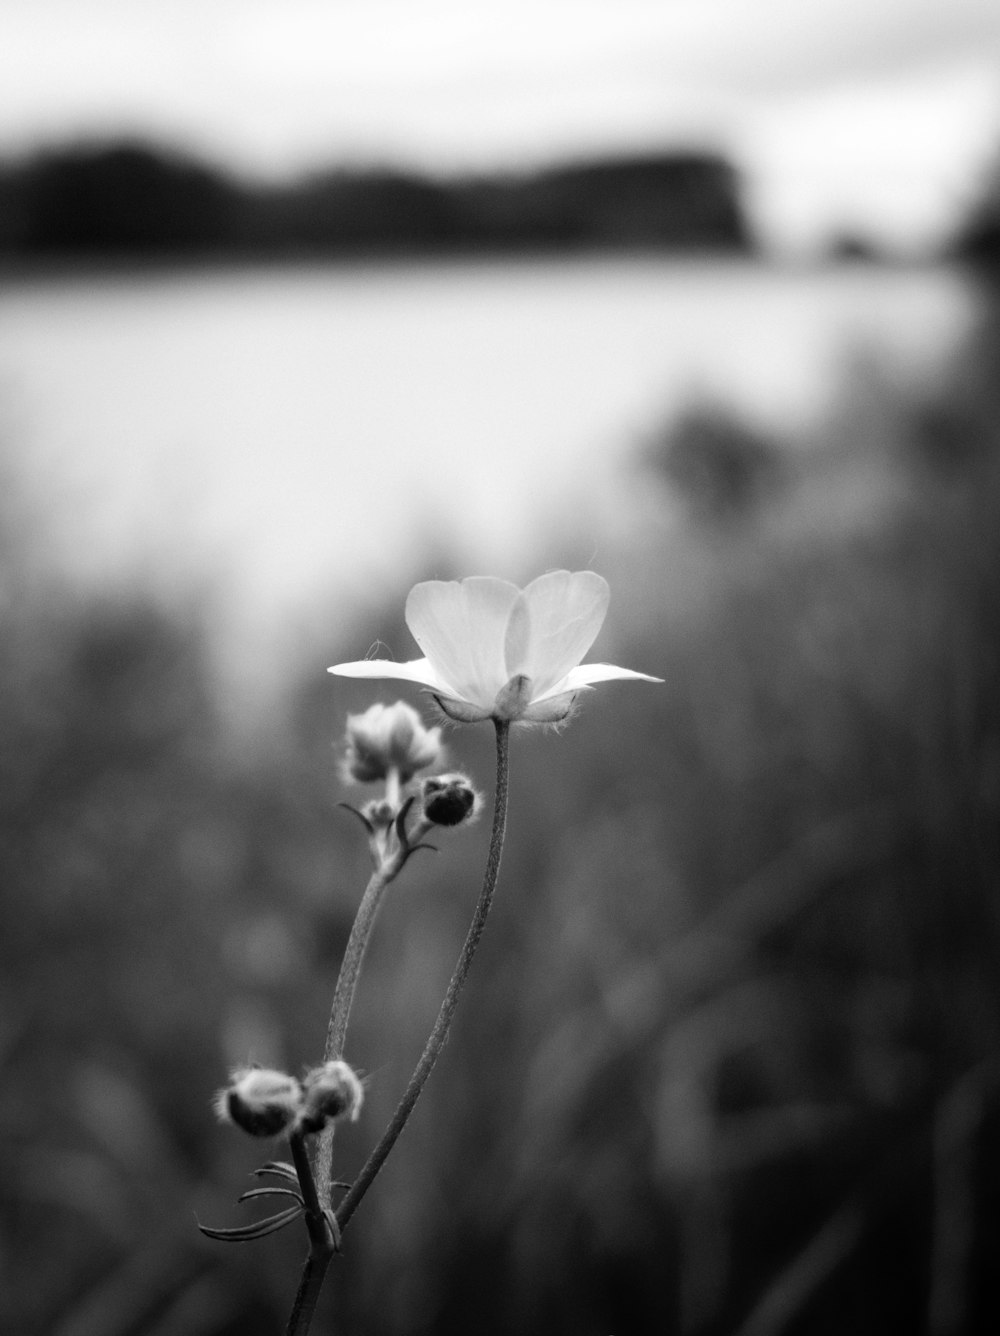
[(271, 1192), (256, 1231), (401, 816), (279, 1169), (361, 817)]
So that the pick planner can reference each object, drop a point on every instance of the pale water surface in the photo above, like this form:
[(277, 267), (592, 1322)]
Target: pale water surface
[(284, 437)]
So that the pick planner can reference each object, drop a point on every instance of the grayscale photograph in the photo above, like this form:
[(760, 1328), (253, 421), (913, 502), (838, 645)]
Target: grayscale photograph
[(500, 667)]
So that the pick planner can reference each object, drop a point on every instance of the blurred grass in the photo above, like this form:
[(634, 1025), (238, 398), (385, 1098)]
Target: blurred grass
[(728, 1061)]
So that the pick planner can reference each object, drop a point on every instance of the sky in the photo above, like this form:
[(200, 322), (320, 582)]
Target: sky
[(879, 116)]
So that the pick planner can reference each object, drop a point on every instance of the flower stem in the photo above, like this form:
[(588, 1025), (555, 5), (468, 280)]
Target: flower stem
[(322, 1243), (310, 1284), (343, 998), (350, 969), (442, 1025)]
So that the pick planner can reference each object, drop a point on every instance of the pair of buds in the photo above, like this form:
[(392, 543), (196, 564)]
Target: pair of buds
[(266, 1103)]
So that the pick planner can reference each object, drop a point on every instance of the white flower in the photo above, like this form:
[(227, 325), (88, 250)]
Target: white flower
[(494, 651)]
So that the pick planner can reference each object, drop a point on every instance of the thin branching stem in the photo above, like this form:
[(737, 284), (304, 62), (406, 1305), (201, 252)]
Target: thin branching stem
[(310, 1284), (350, 969), (442, 1025), (343, 999), (343, 993), (322, 1244), (324, 1225)]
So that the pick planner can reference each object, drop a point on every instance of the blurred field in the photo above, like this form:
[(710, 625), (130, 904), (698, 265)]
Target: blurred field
[(728, 1061)]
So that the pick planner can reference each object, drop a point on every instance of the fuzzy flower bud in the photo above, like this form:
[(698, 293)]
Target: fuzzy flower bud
[(332, 1091), (379, 814), (389, 738), (449, 800), (263, 1103)]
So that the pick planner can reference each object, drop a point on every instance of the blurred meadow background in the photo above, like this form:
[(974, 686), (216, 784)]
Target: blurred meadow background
[(301, 304)]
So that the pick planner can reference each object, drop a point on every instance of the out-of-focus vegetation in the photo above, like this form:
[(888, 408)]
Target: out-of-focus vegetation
[(728, 1061), (979, 236), (135, 201)]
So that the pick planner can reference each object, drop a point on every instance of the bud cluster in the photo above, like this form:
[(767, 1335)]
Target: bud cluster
[(389, 740), (390, 743), (266, 1103)]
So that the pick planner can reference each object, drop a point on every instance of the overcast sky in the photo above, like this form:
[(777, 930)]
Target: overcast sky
[(879, 114)]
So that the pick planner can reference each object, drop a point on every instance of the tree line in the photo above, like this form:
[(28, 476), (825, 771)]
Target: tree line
[(136, 199)]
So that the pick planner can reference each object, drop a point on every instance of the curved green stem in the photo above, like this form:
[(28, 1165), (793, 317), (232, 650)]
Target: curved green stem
[(442, 1025)]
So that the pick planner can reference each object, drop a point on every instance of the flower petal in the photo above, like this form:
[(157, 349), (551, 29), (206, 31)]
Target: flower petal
[(416, 670), (588, 673), (460, 626), (556, 622)]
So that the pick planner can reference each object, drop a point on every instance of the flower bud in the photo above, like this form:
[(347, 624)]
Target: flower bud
[(449, 800), (389, 738), (332, 1091), (263, 1103), (379, 814)]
